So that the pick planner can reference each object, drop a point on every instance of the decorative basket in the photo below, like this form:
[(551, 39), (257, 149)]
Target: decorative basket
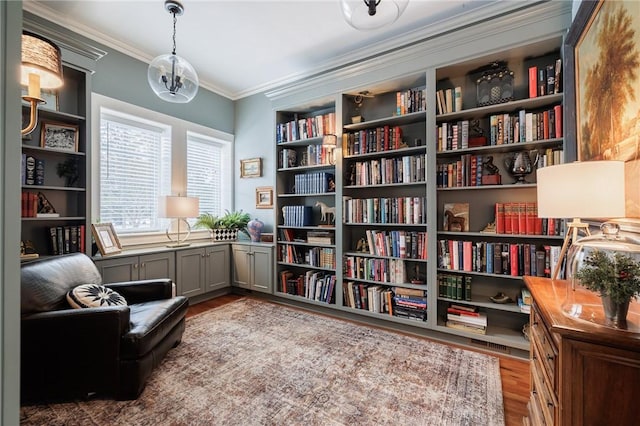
[(224, 234)]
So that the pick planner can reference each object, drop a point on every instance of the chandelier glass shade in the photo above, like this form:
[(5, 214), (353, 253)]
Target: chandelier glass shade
[(170, 76), (372, 14)]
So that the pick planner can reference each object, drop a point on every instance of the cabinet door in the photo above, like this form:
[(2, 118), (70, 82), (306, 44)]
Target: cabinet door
[(190, 272), (262, 269), (158, 265), (119, 269), (217, 267), (242, 266)]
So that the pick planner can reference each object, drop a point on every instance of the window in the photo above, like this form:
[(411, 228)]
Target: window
[(208, 166), (135, 169)]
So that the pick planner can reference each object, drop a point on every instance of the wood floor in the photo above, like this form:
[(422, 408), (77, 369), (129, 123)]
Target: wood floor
[(514, 373)]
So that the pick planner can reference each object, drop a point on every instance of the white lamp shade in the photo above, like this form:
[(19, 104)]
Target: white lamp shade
[(43, 58), (356, 13), (175, 206), (589, 189), (180, 83)]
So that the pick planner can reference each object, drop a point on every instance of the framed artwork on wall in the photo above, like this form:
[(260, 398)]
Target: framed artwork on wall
[(106, 238), (602, 89), (251, 167), (264, 197)]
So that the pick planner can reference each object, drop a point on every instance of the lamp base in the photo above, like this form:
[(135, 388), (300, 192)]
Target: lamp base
[(179, 242)]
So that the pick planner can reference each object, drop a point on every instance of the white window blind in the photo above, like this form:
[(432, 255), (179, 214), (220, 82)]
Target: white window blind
[(208, 178), (135, 169)]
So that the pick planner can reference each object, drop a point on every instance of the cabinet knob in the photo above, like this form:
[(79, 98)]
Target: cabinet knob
[(549, 357), (142, 265), (135, 266), (549, 404), (202, 255), (208, 254)]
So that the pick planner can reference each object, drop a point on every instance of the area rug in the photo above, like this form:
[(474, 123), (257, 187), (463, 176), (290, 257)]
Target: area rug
[(258, 363)]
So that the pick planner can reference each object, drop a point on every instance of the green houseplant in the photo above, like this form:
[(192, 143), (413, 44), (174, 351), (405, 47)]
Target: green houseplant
[(616, 278), (225, 227)]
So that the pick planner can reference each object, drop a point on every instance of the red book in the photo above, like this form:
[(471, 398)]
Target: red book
[(530, 228), (557, 112), (508, 207), (513, 259), (500, 218), (533, 82), (82, 238), (398, 137), (551, 226), (467, 255), (462, 312), (25, 202), (515, 218), (545, 124), (522, 218)]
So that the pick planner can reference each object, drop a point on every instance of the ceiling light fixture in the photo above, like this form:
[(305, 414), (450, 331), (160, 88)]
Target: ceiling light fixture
[(372, 14), (171, 77), (41, 68)]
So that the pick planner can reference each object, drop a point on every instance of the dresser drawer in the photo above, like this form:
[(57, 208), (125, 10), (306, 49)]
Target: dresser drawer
[(543, 394), (547, 352)]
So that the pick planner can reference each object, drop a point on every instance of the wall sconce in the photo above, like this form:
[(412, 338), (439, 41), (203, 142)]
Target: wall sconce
[(41, 68), (179, 207), (372, 14)]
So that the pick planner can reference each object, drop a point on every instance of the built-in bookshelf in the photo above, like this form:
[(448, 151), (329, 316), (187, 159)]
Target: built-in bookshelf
[(306, 152), (55, 176), (488, 147), (384, 206)]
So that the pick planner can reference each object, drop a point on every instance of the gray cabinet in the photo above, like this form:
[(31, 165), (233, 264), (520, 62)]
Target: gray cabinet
[(201, 270), (140, 267), (253, 267)]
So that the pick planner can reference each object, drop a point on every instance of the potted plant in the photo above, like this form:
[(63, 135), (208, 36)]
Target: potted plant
[(616, 278), (225, 227)]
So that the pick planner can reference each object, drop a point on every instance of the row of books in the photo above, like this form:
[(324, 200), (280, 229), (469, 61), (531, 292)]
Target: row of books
[(383, 171), (381, 270), (522, 218), (525, 126), (401, 244), (545, 80), (466, 318), (454, 286), (297, 215), (33, 205), (305, 128), (67, 239), (312, 155), (323, 257), (396, 301), (449, 100), (406, 210), (515, 259), (313, 285), (412, 100), (385, 138), (313, 183), (315, 237), (32, 170)]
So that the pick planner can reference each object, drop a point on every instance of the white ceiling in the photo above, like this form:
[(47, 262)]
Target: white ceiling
[(241, 47)]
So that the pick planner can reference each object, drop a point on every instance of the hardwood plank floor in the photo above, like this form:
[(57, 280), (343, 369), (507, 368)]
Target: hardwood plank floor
[(514, 373)]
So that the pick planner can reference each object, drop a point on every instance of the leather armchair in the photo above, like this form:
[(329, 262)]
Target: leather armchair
[(69, 353)]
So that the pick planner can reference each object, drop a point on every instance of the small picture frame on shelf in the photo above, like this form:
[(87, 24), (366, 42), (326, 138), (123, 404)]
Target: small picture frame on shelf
[(264, 197), (106, 238), (59, 136), (50, 98), (251, 167)]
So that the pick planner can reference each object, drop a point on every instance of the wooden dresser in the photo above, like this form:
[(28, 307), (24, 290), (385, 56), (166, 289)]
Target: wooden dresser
[(582, 371)]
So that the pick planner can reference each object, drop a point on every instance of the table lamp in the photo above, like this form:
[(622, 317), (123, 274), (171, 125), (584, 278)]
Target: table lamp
[(179, 207), (588, 189)]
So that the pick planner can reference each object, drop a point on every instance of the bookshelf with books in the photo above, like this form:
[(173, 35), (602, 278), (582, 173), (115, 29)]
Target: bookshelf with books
[(55, 175), (488, 148), (306, 152), (384, 209)]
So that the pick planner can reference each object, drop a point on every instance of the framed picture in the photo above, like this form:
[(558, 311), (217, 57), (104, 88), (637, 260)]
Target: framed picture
[(251, 168), (49, 96), (106, 238), (59, 136), (602, 89), (264, 197)]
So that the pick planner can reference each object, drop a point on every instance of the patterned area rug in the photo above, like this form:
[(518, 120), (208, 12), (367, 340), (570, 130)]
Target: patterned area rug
[(257, 363)]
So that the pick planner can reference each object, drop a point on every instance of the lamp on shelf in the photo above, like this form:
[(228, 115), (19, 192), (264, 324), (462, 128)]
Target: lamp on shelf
[(372, 14), (181, 208), (171, 77), (589, 189), (40, 68)]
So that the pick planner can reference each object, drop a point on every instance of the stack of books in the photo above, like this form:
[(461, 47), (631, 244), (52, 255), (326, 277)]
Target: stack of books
[(466, 318), (524, 301)]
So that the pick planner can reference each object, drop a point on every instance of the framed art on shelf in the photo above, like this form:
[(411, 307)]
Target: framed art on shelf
[(106, 238), (603, 86), (264, 197), (59, 136), (251, 168)]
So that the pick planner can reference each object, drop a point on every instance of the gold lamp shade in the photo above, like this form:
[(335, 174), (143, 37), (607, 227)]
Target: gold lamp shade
[(41, 57)]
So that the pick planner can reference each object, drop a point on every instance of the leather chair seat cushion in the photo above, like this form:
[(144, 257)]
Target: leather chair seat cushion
[(94, 296), (150, 324)]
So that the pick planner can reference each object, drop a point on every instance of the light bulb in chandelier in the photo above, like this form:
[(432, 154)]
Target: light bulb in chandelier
[(372, 14), (170, 76)]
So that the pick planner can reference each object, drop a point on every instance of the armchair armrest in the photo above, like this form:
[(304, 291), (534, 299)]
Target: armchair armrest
[(143, 290)]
